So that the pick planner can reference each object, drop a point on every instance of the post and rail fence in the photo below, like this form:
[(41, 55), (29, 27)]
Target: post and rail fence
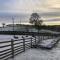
[(13, 47), (8, 49)]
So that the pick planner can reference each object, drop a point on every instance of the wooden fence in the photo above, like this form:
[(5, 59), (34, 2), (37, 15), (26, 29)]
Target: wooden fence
[(11, 48), (15, 46)]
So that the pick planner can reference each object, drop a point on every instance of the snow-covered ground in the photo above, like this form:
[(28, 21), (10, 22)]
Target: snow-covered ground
[(40, 54), (33, 54), (8, 38), (49, 43)]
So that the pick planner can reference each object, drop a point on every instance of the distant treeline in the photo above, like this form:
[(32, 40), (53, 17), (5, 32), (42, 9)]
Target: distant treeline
[(46, 27), (53, 28)]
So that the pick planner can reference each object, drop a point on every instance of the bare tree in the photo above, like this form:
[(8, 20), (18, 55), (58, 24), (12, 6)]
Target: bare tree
[(36, 20)]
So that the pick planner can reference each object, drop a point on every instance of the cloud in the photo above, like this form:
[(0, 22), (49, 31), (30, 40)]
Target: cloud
[(46, 7), (29, 5)]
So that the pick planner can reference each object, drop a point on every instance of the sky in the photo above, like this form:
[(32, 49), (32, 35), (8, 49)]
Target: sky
[(49, 8)]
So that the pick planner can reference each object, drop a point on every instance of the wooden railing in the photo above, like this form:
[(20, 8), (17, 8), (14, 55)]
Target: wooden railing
[(15, 46)]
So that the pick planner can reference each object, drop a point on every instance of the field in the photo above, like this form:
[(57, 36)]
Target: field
[(33, 54)]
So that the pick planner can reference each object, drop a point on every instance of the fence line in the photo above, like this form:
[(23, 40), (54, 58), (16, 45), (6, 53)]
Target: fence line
[(14, 47), (17, 46)]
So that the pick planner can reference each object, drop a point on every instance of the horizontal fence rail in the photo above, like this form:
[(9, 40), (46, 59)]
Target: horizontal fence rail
[(15, 46)]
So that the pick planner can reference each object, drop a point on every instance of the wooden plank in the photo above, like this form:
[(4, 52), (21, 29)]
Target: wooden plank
[(5, 53), (5, 50), (4, 42), (5, 46)]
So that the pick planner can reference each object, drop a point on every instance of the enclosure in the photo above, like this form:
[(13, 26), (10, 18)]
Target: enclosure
[(22, 47)]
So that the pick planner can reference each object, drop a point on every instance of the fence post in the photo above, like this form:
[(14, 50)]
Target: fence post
[(31, 42), (48, 36), (23, 43), (35, 39), (12, 47), (41, 38)]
